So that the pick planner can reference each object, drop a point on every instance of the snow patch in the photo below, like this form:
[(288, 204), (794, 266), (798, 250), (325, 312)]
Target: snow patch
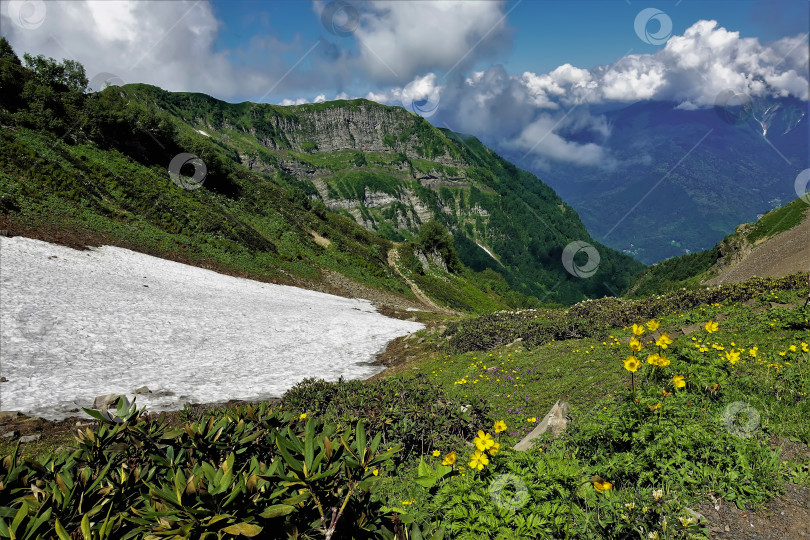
[(201, 132), (78, 324)]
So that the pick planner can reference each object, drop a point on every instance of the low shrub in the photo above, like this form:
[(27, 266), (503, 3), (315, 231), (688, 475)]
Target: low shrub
[(250, 471), (413, 412)]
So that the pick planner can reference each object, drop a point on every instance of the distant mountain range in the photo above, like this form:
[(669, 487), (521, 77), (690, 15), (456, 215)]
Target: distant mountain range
[(681, 180)]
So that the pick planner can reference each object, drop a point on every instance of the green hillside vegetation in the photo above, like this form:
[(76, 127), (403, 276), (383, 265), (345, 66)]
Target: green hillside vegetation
[(689, 271), (424, 173), (395, 455), (97, 163)]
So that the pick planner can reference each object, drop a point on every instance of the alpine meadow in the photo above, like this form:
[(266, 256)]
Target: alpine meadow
[(404, 270)]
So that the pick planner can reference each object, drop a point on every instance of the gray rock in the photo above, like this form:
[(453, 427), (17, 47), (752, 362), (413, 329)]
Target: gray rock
[(108, 401), (3, 379), (142, 390), (30, 438), (690, 329), (10, 434), (556, 420)]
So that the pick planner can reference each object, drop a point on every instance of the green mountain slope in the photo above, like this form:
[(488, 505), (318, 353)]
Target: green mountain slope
[(285, 190), (391, 171), (766, 237)]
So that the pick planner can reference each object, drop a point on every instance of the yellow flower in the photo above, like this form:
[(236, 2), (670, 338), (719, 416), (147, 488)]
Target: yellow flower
[(805, 347), (654, 407), (678, 381), (495, 448), (653, 359), (663, 361), (483, 441), (436, 453), (500, 425), (635, 345), (711, 326), (375, 472), (631, 364), (303, 416), (478, 460), (532, 419), (733, 356), (449, 459), (600, 484), (664, 341), (653, 325), (792, 348), (638, 329)]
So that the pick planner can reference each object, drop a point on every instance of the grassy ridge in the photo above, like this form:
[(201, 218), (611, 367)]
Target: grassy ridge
[(691, 270)]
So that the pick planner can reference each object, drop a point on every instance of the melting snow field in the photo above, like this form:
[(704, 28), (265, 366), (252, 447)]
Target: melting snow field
[(79, 324)]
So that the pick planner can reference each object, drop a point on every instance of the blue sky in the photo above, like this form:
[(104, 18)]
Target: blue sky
[(544, 33)]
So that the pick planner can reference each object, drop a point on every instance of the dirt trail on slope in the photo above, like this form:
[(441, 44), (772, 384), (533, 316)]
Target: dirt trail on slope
[(393, 262), (783, 254)]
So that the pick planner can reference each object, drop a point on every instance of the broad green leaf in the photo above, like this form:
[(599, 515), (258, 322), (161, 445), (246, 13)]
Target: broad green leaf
[(295, 499), (85, 526), (277, 510), (309, 444), (426, 481), (94, 413), (244, 529), (361, 440), (424, 469), (60, 531)]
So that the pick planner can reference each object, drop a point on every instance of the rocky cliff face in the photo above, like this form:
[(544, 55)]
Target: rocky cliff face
[(364, 126), (418, 156)]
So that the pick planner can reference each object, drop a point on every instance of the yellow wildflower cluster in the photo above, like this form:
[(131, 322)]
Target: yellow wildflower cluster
[(484, 444), (657, 359)]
